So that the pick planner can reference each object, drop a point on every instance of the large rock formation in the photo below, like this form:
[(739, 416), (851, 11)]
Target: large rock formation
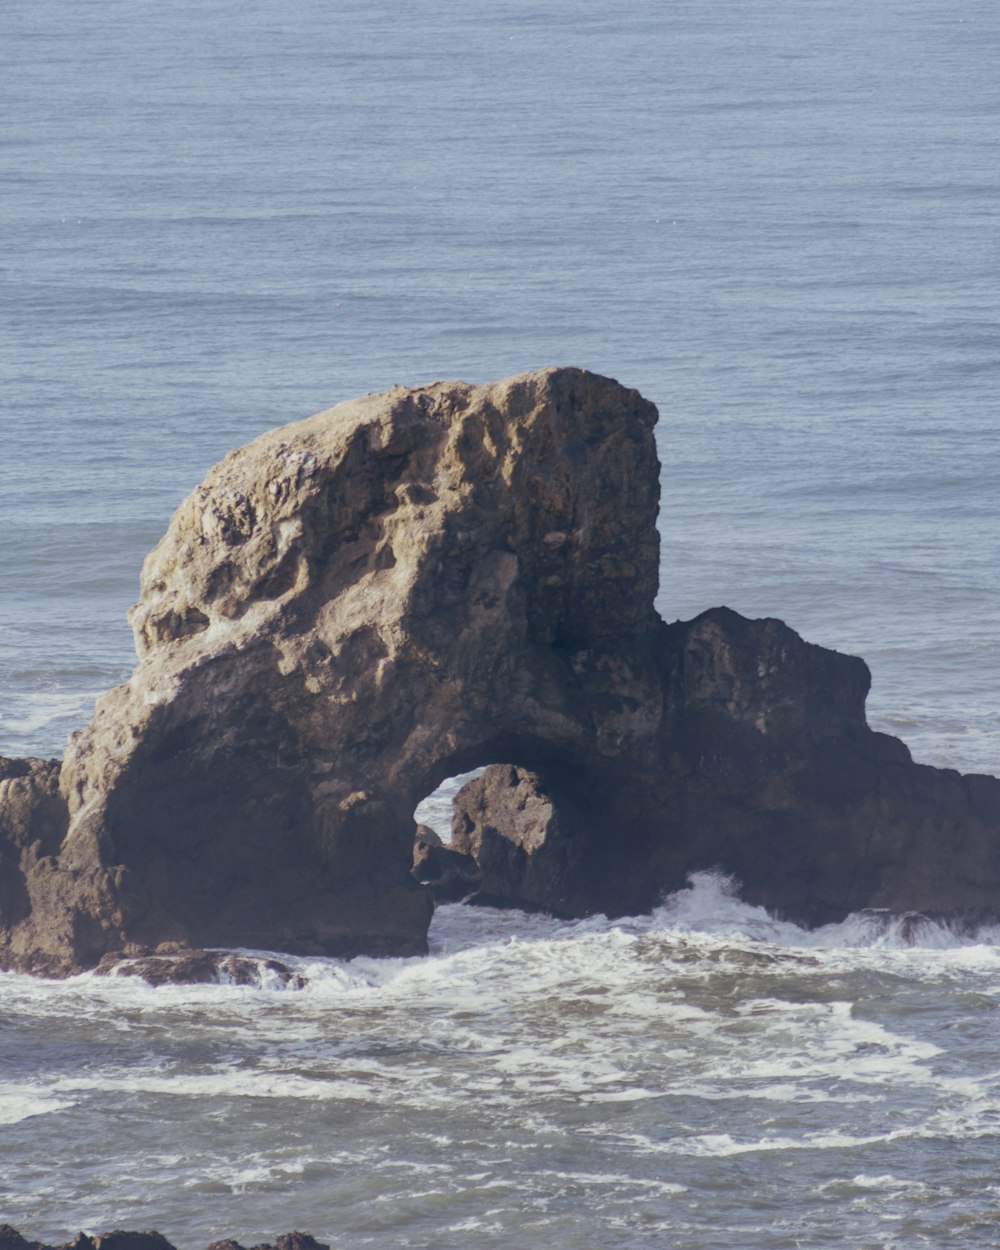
[(348, 610), (355, 606), (766, 769)]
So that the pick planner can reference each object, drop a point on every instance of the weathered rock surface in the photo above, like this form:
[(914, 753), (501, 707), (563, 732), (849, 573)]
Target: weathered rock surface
[(345, 612), (527, 854), (356, 606)]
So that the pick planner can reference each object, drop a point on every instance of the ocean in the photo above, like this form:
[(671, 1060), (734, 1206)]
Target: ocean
[(778, 219)]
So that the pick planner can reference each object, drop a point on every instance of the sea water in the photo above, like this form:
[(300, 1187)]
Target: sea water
[(776, 219)]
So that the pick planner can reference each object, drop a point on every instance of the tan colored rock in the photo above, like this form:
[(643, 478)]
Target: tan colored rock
[(345, 612)]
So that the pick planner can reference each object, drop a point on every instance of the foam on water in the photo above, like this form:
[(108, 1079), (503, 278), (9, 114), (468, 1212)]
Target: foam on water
[(19, 1103)]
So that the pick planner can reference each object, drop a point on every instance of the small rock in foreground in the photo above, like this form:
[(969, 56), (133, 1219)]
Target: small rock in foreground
[(11, 1239)]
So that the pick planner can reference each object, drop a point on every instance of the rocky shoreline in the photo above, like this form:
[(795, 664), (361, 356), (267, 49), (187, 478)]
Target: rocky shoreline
[(11, 1239), (356, 606)]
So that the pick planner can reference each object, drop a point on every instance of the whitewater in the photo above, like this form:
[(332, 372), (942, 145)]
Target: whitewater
[(704, 1076), (778, 222)]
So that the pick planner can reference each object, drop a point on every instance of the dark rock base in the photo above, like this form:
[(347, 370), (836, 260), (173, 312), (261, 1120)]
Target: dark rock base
[(11, 1239)]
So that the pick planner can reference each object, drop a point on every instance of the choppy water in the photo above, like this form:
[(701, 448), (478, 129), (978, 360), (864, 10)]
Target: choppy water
[(702, 1077), (779, 221)]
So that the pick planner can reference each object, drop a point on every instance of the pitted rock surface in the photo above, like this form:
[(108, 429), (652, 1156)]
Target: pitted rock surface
[(355, 606), (345, 612)]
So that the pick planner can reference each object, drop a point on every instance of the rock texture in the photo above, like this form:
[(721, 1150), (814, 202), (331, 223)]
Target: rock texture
[(453, 876), (526, 852), (766, 769), (345, 612), (356, 606)]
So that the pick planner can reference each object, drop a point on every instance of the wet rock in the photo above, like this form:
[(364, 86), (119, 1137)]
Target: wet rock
[(293, 1241), (299, 1241), (171, 965)]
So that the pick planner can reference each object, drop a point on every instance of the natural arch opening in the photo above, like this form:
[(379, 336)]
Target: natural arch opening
[(435, 811), (494, 836)]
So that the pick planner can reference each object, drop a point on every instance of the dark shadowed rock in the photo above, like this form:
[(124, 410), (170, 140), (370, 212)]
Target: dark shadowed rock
[(10, 1238), (120, 1240), (80, 1242), (299, 1241), (293, 1241), (767, 770), (449, 875), (33, 824), (356, 606)]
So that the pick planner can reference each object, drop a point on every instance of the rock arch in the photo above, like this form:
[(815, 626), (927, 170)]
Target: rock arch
[(355, 606)]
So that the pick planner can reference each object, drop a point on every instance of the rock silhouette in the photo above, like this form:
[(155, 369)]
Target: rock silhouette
[(12, 1239), (355, 606)]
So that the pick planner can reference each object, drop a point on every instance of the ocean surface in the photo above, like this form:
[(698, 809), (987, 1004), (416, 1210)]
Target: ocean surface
[(780, 221)]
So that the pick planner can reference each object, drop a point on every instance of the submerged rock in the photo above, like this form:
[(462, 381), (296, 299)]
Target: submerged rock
[(173, 965), (356, 606)]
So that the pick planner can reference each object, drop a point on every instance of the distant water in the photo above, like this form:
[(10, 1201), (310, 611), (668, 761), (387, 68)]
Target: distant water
[(780, 222)]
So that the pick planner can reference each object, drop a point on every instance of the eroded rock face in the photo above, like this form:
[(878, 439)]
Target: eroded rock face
[(345, 612), (356, 606)]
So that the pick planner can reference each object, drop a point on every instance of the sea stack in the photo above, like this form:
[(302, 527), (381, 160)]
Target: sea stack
[(355, 606)]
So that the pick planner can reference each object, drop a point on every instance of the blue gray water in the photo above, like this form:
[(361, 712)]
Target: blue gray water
[(780, 222)]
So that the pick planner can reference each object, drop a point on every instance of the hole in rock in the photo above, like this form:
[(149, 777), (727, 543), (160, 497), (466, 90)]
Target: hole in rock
[(435, 810)]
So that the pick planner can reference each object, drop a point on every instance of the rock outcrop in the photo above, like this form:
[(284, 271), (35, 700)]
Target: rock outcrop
[(356, 606), (119, 1239), (345, 612), (767, 770)]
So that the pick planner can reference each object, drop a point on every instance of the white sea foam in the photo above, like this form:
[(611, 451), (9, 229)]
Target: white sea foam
[(885, 1183), (24, 1103), (585, 1058)]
